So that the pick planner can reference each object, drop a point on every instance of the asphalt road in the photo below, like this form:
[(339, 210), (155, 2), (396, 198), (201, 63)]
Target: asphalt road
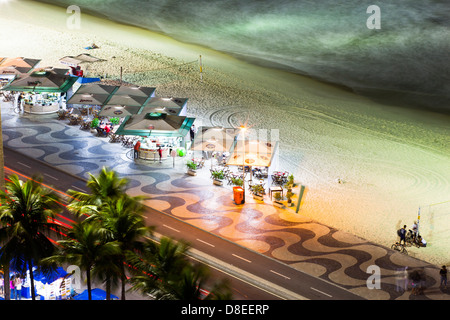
[(254, 276)]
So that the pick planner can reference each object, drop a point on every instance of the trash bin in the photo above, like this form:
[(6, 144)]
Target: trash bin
[(238, 194)]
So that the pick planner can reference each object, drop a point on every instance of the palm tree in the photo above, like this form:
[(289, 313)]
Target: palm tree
[(164, 272), (27, 217), (156, 264), (87, 248), (125, 224), (104, 187)]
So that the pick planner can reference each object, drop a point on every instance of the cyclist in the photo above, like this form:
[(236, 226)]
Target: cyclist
[(402, 234)]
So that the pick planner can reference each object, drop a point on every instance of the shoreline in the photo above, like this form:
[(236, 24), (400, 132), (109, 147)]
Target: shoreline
[(391, 159), (385, 96)]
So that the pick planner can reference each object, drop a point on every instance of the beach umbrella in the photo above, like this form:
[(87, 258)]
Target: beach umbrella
[(41, 81), (156, 124), (174, 106), (214, 139), (126, 100), (87, 99), (20, 62), (135, 91), (118, 111), (255, 153), (74, 61), (96, 88), (13, 71)]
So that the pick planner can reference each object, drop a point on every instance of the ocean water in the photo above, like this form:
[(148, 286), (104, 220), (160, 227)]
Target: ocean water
[(406, 59)]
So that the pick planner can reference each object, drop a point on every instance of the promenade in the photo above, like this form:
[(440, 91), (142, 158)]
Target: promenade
[(281, 234)]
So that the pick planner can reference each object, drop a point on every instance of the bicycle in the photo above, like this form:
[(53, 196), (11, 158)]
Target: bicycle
[(399, 247), (412, 240)]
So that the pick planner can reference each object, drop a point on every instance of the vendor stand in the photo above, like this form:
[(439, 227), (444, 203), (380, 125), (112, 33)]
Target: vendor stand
[(157, 130), (55, 285), (44, 90)]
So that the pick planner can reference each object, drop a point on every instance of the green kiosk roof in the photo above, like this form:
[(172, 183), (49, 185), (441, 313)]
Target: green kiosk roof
[(41, 81), (156, 124)]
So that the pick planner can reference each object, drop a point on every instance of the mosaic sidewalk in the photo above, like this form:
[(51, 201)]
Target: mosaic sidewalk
[(282, 234)]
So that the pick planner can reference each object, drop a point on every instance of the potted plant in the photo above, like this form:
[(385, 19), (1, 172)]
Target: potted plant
[(277, 201), (289, 195), (94, 124), (192, 168), (114, 120), (289, 185), (218, 177), (258, 191), (237, 181)]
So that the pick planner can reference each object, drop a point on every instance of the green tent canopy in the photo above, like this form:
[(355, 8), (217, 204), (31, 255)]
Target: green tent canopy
[(41, 81), (155, 124)]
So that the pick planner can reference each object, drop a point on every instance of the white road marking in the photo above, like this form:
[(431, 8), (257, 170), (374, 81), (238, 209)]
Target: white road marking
[(23, 164), (281, 275), (235, 255), (45, 174), (209, 244), (321, 292), (75, 187), (169, 227)]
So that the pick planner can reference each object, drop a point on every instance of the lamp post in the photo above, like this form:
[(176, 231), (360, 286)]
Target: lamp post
[(243, 128)]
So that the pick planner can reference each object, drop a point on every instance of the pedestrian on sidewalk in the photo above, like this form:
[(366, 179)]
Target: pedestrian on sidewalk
[(160, 153), (137, 149), (2, 284), (443, 274), (18, 285), (12, 287)]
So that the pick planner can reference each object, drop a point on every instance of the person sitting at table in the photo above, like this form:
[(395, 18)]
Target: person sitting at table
[(107, 130)]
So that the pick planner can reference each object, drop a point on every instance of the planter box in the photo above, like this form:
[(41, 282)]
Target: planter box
[(258, 197), (191, 172), (278, 204), (217, 182)]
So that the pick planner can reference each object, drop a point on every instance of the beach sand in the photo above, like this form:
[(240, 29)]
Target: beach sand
[(391, 159)]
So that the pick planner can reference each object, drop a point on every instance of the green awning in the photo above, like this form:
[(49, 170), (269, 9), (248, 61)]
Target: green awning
[(41, 81), (155, 125)]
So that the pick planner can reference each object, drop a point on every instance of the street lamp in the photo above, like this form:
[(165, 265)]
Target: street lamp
[(243, 129)]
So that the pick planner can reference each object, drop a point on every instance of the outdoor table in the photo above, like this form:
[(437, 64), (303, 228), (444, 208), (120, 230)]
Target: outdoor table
[(275, 189)]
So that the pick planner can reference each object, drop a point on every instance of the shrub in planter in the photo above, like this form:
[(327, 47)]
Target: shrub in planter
[(277, 201), (95, 123), (237, 182), (258, 191), (192, 167), (114, 120), (218, 176)]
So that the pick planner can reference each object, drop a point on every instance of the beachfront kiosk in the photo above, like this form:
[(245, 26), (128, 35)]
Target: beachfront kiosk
[(42, 90), (157, 130)]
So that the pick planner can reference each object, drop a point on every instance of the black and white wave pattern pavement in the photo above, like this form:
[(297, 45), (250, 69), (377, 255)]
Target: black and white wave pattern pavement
[(309, 246)]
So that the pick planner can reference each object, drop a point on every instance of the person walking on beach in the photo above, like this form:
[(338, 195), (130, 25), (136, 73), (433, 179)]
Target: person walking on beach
[(443, 274)]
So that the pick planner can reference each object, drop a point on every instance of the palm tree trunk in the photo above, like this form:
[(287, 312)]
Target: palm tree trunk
[(6, 279), (88, 279), (108, 289), (30, 268), (124, 279)]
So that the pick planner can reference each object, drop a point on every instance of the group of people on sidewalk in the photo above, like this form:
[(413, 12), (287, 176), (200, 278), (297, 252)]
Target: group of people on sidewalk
[(15, 285)]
